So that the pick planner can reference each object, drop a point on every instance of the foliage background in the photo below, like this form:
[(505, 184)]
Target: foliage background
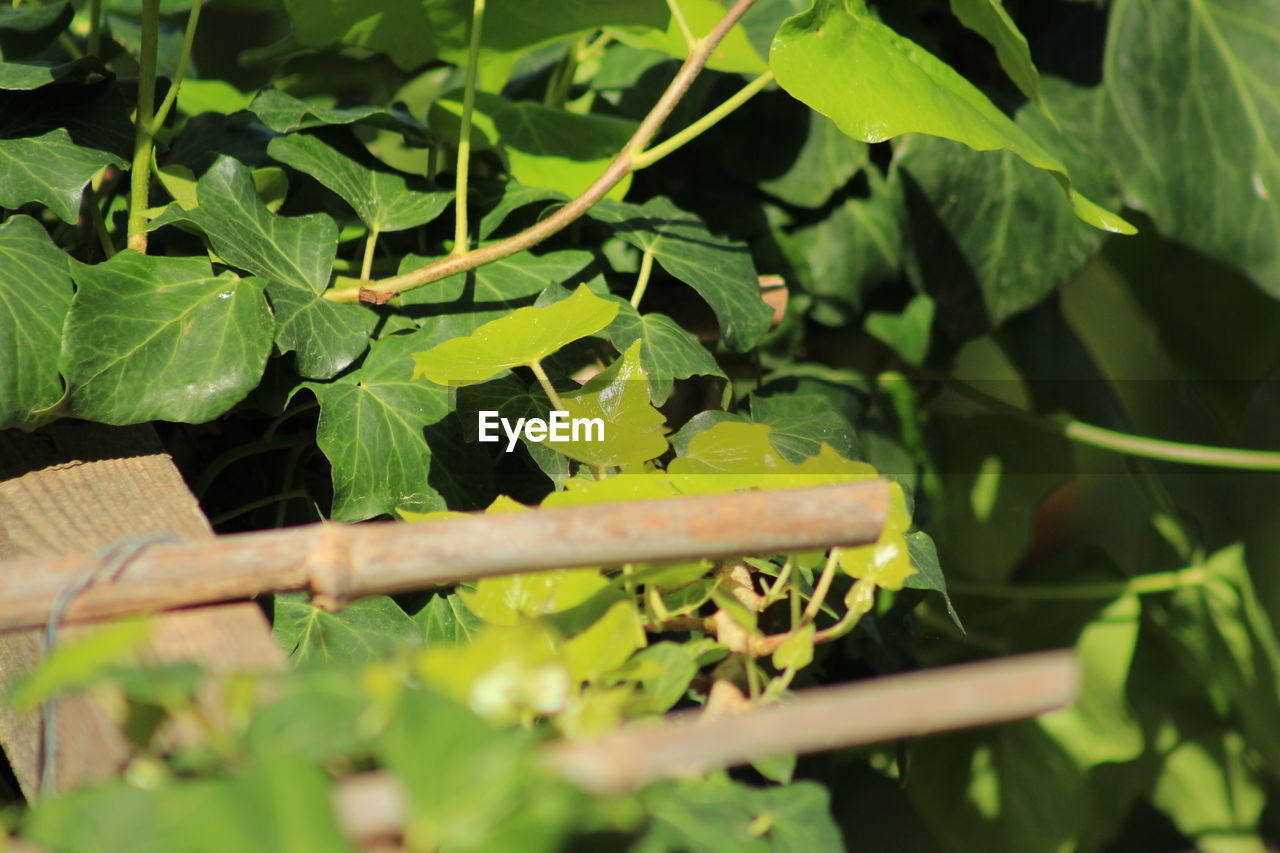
[(930, 288)]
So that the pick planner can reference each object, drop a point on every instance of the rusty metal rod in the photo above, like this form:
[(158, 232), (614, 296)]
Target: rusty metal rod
[(340, 562), (370, 805)]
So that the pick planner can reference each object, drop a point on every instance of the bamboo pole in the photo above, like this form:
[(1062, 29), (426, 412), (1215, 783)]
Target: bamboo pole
[(340, 562), (371, 805)]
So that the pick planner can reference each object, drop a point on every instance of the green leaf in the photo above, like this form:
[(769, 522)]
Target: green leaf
[(971, 242), (372, 423), (154, 338), (989, 19), (720, 270), (35, 295), (851, 251), (284, 113), (445, 619), (928, 573), (211, 96), (667, 351), (1210, 789), (1006, 789), (1189, 113), (523, 337), (909, 333), (26, 30), (494, 211), (826, 162), (728, 817), (384, 199), (55, 138), (663, 671), (412, 32), (544, 146), (876, 85), (733, 53), (81, 662), (619, 397), (801, 423), (364, 630), (503, 281), (295, 255)]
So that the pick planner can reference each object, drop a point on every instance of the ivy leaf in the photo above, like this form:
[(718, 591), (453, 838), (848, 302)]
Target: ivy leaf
[(908, 333), (668, 352), (720, 270), (444, 619), (988, 19), (523, 337), (801, 423), (284, 113), (503, 281), (875, 84), (1205, 167), (544, 146), (928, 573), (155, 338), (364, 630), (734, 53), (26, 30), (619, 397), (982, 257), (413, 32), (371, 428), (295, 255), (719, 817), (35, 295), (494, 210), (826, 162), (55, 138), (385, 200)]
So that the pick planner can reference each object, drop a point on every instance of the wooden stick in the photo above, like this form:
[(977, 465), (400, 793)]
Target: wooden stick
[(372, 804), (339, 562)]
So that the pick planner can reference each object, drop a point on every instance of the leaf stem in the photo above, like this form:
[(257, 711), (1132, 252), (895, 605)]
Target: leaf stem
[(647, 158), (292, 494), (1140, 585), (95, 27), (140, 176), (618, 168), (370, 243), (821, 588), (171, 97), (1133, 445), (545, 382), (642, 280), (690, 40), (464, 134)]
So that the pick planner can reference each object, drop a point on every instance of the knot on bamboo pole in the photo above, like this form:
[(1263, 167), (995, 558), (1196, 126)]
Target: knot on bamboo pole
[(328, 567)]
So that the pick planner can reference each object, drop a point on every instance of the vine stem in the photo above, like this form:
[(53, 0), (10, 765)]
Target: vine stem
[(171, 97), (95, 27), (370, 243), (653, 155), (1127, 443), (621, 166), (822, 587), (464, 134), (140, 175), (545, 382), (678, 14), (1140, 585), (642, 280)]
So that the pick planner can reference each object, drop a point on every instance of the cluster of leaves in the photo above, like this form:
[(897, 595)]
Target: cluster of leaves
[(922, 192)]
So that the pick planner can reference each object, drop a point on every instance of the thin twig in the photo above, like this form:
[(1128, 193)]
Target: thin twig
[(622, 165)]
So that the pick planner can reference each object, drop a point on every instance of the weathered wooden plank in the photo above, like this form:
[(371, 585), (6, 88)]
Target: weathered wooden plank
[(77, 507)]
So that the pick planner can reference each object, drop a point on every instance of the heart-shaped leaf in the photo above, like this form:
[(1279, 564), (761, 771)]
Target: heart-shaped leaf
[(523, 337), (843, 62), (155, 338)]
